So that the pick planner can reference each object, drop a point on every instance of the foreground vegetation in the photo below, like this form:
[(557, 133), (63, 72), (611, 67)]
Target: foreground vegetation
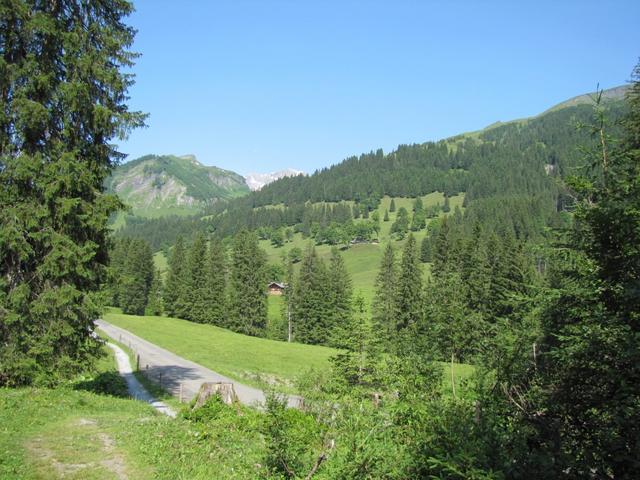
[(89, 429)]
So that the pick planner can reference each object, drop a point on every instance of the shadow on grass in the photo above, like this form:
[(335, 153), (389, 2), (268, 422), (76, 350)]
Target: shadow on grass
[(105, 383)]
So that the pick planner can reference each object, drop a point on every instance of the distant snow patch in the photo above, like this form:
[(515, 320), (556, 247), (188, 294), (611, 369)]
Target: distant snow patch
[(256, 181)]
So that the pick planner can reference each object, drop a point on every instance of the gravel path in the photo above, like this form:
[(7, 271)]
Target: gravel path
[(178, 375), (136, 390)]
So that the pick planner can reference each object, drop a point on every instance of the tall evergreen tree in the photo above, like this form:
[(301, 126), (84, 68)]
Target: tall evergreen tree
[(196, 291), (442, 249), (310, 305), (400, 227), (356, 366), (63, 102), (446, 208), (215, 283), (426, 248), (339, 289), (384, 306), (136, 278), (409, 290), (248, 286), (476, 271), (451, 329), (154, 302), (175, 291), (392, 206)]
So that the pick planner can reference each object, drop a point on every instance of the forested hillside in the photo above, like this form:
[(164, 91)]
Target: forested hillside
[(509, 174)]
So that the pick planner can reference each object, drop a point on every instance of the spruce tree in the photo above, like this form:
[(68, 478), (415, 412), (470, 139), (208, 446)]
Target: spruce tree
[(154, 302), (310, 303), (215, 284), (176, 285), (442, 249), (196, 291), (476, 271), (409, 290), (426, 248), (392, 206), (446, 208), (384, 306), (400, 227), (136, 277), (63, 103), (386, 216), (356, 365), (339, 290), (247, 286)]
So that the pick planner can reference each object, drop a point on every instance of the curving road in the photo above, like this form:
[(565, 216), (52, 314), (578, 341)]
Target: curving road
[(178, 375)]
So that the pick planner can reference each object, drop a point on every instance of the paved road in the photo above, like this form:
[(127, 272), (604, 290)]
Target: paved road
[(179, 375), (136, 390)]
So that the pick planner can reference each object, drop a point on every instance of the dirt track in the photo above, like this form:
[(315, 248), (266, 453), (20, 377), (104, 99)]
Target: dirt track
[(179, 375)]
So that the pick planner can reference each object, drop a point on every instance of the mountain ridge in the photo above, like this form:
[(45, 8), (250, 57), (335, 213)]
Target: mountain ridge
[(170, 184), (256, 181)]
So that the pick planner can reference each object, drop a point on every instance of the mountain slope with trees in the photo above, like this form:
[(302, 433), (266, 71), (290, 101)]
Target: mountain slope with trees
[(514, 167)]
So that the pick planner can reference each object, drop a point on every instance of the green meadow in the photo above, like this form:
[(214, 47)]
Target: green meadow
[(88, 429)]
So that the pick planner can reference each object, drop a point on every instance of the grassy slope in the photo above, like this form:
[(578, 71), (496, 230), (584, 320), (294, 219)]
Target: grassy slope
[(239, 356)]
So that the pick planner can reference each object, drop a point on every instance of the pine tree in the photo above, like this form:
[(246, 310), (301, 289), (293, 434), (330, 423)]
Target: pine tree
[(392, 206), (340, 291), (426, 248), (446, 208), (248, 286), (136, 278), (310, 303), (384, 306), (476, 271), (400, 227), (451, 329), (196, 291), (386, 216), (154, 302), (409, 290), (215, 284), (63, 102), (175, 291), (442, 249), (356, 366)]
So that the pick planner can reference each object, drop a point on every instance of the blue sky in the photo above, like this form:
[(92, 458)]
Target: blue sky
[(265, 85)]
